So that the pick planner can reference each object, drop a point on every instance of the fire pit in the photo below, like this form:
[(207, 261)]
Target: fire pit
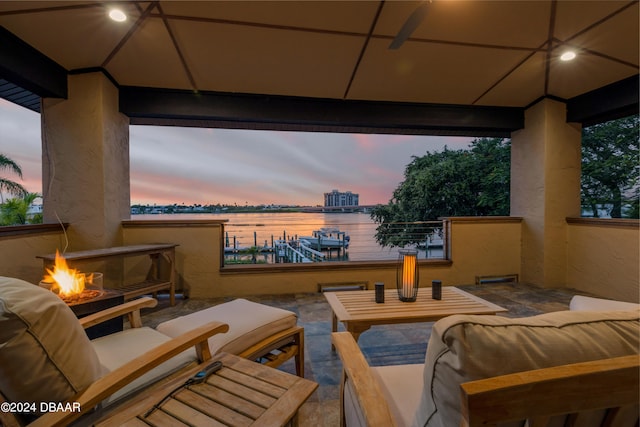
[(71, 285), (108, 298), (83, 293), (82, 297)]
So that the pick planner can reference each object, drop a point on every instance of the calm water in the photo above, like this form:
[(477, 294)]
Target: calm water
[(260, 229)]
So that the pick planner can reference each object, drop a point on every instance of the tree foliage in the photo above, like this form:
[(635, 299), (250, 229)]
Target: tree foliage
[(611, 167), (471, 182), (476, 182), (6, 184), (15, 211)]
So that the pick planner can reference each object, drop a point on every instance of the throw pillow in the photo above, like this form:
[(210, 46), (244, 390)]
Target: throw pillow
[(45, 355), (470, 347)]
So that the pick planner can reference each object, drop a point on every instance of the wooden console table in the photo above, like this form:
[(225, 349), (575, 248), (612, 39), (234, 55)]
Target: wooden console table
[(152, 284)]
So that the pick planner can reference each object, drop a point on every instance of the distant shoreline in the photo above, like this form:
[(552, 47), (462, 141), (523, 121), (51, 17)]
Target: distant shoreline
[(177, 210), (138, 209)]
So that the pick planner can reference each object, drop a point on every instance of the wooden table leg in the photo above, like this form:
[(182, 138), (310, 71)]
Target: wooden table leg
[(334, 326), (356, 330), (171, 258), (154, 271), (294, 420)]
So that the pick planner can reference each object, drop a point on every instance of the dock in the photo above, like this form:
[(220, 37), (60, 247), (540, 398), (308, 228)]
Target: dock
[(285, 249), (295, 251)]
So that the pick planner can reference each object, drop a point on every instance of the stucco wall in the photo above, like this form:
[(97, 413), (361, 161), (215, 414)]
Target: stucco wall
[(85, 162), (197, 256), (604, 258), (484, 247), (545, 189), (19, 254)]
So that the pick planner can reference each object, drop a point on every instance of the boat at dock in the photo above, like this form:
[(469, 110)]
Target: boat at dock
[(326, 238)]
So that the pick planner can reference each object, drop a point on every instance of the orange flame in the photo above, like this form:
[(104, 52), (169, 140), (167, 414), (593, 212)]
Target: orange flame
[(67, 281)]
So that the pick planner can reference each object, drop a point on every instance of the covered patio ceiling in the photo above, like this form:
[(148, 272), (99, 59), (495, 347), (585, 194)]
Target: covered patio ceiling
[(468, 67)]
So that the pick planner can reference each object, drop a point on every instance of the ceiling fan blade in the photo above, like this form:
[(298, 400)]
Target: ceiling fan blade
[(415, 19)]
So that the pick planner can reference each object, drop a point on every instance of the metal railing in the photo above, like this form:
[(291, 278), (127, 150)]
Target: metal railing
[(418, 234), (364, 238)]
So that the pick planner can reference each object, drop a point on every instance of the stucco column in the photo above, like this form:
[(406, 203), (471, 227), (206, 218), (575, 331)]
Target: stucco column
[(545, 189), (85, 162)]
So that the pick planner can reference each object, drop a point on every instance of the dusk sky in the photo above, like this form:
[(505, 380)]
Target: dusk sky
[(210, 166)]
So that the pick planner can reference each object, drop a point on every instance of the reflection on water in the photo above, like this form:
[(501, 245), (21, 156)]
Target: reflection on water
[(245, 230)]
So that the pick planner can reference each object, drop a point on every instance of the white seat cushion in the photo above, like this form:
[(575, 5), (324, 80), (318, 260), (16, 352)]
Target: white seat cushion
[(582, 303), (117, 349), (249, 323), (401, 386)]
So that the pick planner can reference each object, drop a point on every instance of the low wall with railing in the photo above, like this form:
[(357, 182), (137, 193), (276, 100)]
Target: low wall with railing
[(603, 257), (479, 247)]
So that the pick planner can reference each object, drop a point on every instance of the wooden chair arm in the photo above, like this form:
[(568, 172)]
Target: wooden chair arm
[(7, 419), (355, 367), (542, 393), (131, 308), (118, 378)]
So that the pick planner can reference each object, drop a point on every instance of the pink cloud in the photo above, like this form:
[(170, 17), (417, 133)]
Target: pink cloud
[(176, 165), (365, 142)]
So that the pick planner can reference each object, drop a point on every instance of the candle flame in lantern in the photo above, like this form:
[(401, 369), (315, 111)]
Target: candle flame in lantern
[(408, 274)]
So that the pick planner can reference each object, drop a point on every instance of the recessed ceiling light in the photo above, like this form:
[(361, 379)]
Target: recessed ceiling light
[(117, 15), (568, 55)]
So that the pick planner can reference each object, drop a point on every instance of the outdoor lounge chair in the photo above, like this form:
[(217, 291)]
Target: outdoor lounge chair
[(45, 355), (580, 366), (256, 332)]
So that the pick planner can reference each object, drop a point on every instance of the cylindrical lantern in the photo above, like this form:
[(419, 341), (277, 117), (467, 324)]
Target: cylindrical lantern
[(407, 275)]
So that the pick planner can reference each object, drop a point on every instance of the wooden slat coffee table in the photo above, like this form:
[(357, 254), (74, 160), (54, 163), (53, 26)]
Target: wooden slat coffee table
[(358, 310), (242, 393)]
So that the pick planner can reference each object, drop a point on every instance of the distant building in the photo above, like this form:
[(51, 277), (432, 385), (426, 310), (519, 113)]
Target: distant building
[(337, 198)]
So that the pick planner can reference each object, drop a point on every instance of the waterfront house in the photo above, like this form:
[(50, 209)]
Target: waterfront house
[(472, 68)]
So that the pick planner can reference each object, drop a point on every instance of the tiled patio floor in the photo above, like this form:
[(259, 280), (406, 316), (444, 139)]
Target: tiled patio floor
[(382, 345)]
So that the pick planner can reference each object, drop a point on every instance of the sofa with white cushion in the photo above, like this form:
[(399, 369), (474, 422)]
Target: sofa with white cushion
[(466, 353)]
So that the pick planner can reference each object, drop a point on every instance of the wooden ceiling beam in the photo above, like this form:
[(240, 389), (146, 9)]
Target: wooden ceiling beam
[(29, 69), (610, 102), (267, 112)]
